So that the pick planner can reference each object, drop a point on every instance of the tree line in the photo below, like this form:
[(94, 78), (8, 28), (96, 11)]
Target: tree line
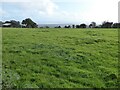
[(29, 23)]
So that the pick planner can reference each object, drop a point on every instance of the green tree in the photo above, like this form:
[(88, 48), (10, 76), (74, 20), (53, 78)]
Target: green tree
[(1, 23), (107, 24), (15, 24), (28, 23), (116, 25), (83, 25), (92, 25)]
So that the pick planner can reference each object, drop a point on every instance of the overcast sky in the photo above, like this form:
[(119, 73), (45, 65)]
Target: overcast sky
[(60, 11)]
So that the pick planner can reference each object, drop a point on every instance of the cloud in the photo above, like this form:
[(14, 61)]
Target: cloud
[(97, 10), (15, 0), (66, 11), (47, 7), (103, 10)]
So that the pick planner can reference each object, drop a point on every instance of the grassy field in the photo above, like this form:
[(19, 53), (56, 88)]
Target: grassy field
[(60, 58)]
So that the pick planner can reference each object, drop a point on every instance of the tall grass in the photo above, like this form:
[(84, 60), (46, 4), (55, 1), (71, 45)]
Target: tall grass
[(60, 58)]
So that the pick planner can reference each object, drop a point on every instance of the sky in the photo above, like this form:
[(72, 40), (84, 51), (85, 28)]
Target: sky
[(60, 11)]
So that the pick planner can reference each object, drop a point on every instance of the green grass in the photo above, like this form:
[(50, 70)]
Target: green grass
[(60, 58)]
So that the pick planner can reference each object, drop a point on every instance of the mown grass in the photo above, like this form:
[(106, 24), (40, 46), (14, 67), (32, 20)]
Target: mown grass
[(60, 58)]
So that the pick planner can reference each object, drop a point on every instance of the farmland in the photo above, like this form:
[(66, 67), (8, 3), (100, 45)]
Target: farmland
[(59, 58)]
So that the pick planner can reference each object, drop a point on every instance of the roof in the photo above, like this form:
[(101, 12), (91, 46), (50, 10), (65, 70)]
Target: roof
[(6, 24)]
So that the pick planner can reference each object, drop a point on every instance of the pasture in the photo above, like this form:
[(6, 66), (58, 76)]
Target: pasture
[(59, 58)]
